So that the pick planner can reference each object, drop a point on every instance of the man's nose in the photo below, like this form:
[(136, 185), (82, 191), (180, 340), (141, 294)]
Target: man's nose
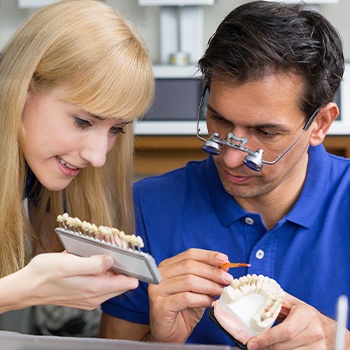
[(232, 157)]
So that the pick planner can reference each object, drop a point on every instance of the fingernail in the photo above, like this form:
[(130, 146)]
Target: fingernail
[(222, 257), (109, 261), (228, 278), (253, 346)]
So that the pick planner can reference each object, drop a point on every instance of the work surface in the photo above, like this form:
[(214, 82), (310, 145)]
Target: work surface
[(16, 341)]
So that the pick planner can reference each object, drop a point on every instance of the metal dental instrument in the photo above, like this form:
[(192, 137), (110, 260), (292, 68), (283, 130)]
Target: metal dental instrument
[(342, 309)]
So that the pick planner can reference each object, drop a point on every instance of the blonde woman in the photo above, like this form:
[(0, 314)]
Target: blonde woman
[(72, 80)]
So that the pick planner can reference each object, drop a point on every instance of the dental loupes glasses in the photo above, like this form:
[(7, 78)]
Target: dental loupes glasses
[(253, 159)]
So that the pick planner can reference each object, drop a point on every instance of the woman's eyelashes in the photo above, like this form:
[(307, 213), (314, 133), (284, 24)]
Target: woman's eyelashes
[(117, 130), (84, 123)]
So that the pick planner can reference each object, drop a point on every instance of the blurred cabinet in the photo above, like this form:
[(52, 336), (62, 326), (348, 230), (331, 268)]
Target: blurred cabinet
[(158, 154), (339, 145)]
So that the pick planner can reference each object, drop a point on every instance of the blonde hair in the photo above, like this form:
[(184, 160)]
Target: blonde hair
[(90, 48)]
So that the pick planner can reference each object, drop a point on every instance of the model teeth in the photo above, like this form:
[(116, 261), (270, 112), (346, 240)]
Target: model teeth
[(67, 164), (102, 233), (248, 306)]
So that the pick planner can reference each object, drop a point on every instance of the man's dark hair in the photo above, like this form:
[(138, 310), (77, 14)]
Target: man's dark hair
[(261, 38)]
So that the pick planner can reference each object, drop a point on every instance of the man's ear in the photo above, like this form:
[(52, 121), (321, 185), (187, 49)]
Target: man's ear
[(323, 122)]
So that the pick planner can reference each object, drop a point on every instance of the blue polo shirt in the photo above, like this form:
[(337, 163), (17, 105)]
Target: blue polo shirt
[(307, 252)]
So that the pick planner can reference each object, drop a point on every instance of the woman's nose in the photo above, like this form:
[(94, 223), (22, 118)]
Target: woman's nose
[(95, 151)]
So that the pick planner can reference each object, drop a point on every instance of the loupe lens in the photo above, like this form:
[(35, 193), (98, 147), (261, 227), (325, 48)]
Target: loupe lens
[(253, 162), (211, 147)]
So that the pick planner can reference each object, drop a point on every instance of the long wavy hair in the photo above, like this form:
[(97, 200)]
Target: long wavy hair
[(100, 56)]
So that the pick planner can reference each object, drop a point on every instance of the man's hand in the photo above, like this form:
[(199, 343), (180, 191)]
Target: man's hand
[(301, 327), (190, 280)]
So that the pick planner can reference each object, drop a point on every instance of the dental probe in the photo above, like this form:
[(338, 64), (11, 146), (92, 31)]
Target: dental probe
[(229, 265)]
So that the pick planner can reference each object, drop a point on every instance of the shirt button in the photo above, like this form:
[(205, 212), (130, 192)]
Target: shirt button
[(259, 254), (249, 221)]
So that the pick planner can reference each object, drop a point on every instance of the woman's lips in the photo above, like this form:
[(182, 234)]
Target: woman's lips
[(66, 168)]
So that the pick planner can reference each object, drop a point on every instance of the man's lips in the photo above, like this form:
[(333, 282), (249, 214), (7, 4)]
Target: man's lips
[(237, 178)]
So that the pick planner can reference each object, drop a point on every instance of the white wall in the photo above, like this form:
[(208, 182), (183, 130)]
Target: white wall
[(147, 20)]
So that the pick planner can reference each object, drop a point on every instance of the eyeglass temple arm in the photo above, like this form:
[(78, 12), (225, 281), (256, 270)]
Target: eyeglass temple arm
[(306, 126), (199, 110)]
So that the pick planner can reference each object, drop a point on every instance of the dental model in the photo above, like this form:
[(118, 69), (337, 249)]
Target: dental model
[(85, 239), (247, 307)]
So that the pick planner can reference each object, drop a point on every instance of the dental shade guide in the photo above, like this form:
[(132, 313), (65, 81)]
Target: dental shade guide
[(85, 239)]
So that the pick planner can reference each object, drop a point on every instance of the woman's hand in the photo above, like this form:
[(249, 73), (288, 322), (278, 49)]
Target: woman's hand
[(63, 279)]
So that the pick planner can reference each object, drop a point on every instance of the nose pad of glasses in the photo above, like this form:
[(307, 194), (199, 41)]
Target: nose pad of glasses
[(211, 147), (253, 161)]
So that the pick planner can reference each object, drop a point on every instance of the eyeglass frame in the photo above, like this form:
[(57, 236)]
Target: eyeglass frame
[(253, 160)]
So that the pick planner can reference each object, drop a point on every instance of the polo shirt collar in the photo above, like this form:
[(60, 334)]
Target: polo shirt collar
[(303, 213), (308, 206), (226, 208)]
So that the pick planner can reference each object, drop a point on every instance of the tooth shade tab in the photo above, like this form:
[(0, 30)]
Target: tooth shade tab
[(105, 234)]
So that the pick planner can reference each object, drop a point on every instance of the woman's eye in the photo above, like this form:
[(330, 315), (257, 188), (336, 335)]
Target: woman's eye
[(81, 123), (117, 130)]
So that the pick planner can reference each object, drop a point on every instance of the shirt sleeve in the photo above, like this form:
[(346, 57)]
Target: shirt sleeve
[(131, 306)]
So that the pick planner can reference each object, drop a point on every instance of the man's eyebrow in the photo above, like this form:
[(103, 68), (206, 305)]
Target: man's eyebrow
[(214, 111), (276, 126)]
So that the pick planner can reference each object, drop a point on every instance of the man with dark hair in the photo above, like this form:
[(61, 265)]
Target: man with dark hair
[(268, 195)]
